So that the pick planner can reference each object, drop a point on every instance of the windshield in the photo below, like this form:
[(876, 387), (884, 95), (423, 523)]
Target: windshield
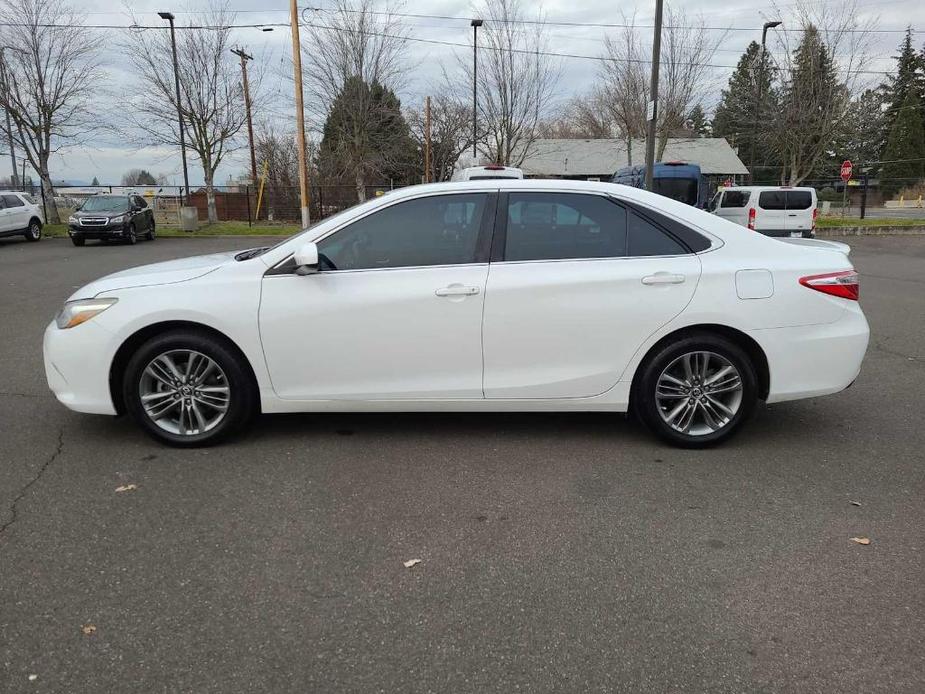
[(680, 189), (99, 204)]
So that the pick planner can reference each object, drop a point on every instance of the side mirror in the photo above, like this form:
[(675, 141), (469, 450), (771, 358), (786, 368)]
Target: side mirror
[(306, 259)]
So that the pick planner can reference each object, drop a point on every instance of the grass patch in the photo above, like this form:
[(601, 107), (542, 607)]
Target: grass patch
[(837, 222), (218, 229)]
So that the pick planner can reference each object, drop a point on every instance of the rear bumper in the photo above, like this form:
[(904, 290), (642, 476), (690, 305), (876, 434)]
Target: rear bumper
[(781, 233), (812, 360), (77, 366)]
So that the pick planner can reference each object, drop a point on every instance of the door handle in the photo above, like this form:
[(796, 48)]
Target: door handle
[(791, 215), (457, 290), (663, 278)]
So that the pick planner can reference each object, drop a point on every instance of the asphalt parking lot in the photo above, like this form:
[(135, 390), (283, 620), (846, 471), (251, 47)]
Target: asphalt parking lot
[(563, 553)]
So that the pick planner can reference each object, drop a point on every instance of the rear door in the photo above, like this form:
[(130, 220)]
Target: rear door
[(799, 212), (17, 213), (576, 284), (733, 205), (771, 213)]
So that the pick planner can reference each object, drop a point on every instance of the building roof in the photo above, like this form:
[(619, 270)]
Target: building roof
[(605, 156)]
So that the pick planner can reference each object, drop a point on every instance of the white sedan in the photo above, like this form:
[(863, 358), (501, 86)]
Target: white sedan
[(480, 296)]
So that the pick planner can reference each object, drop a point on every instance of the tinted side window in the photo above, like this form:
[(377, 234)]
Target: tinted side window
[(799, 199), (647, 239), (436, 230), (139, 201), (554, 226), (13, 201), (734, 198), (772, 200)]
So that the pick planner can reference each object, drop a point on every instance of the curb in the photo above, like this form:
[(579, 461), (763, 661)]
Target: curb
[(872, 231)]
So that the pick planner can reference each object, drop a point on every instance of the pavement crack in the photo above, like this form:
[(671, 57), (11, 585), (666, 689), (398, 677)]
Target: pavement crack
[(14, 506)]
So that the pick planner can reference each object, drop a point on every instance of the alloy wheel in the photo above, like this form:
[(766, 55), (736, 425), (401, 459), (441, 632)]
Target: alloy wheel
[(184, 392), (699, 393)]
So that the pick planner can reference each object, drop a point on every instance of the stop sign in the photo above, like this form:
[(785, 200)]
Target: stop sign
[(846, 170)]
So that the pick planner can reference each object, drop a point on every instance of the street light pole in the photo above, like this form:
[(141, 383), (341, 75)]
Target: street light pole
[(476, 23), (9, 127), (652, 106), (247, 105), (758, 77), (176, 82)]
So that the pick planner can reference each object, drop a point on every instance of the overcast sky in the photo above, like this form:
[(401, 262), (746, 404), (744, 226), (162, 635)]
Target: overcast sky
[(108, 159)]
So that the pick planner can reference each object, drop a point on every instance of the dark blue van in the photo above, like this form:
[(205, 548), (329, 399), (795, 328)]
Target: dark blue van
[(677, 180)]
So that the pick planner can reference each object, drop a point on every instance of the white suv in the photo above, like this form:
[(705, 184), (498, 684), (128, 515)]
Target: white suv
[(771, 210), (20, 216)]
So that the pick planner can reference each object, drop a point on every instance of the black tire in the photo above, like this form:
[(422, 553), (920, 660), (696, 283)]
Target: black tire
[(34, 231), (243, 397), (78, 240), (646, 405), (152, 233), (131, 238)]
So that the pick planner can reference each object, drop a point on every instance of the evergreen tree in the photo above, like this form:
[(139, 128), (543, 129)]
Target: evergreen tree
[(909, 77), (95, 181), (366, 137), (740, 118), (697, 122), (904, 154), (859, 138), (813, 105)]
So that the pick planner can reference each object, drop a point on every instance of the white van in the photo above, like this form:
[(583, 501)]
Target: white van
[(482, 173), (771, 210)]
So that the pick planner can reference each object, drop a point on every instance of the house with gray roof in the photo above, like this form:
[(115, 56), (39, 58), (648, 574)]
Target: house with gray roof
[(599, 159)]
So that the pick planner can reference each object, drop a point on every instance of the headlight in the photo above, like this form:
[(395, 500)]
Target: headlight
[(73, 220), (117, 220), (77, 312)]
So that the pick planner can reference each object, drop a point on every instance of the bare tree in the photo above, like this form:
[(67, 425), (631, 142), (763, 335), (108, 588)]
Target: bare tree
[(583, 117), (48, 61), (211, 95), (516, 82), (450, 132), (822, 69), (624, 74), (277, 152), (685, 76)]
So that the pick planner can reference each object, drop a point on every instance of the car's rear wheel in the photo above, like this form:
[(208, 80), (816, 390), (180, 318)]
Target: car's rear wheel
[(78, 240), (189, 389), (131, 238), (696, 392), (34, 232)]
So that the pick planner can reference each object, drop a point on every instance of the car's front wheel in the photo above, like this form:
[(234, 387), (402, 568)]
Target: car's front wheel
[(78, 240), (152, 233), (34, 232), (131, 237), (187, 388), (696, 392)]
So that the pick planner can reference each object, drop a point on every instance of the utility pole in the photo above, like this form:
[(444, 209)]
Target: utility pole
[(427, 176), (299, 111), (176, 82), (476, 23), (247, 105), (652, 106), (9, 127), (758, 75)]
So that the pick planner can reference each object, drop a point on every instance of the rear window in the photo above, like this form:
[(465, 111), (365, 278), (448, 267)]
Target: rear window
[(680, 189), (734, 198), (772, 200), (799, 199)]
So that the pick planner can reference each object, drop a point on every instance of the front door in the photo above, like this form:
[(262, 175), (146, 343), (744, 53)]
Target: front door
[(395, 311), (580, 284)]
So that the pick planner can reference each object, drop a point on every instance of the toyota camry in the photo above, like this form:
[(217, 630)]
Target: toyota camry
[(497, 295)]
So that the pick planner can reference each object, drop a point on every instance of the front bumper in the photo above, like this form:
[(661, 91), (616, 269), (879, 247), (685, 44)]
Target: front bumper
[(77, 366), (110, 231)]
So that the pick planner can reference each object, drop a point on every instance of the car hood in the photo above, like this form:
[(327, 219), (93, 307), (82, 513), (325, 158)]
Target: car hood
[(169, 272)]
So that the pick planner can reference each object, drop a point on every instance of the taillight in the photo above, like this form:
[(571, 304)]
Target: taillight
[(844, 284), (751, 218), (815, 214)]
